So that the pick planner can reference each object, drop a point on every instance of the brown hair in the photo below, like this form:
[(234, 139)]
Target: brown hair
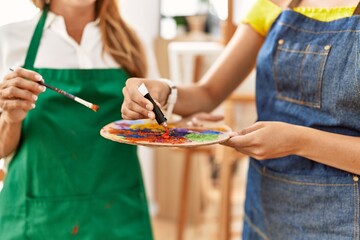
[(119, 39)]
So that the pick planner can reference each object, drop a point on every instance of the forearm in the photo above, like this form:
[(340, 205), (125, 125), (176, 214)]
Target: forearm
[(192, 100), (9, 136), (233, 66), (339, 151)]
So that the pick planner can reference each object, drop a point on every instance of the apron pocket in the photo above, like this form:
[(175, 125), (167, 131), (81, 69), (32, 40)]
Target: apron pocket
[(121, 215), (298, 72), (319, 209)]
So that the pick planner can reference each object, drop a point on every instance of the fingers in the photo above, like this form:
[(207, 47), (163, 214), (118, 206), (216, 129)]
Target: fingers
[(22, 79), (14, 93), (19, 92), (135, 105), (194, 122), (11, 88), (260, 141), (10, 105), (245, 138), (252, 128), (243, 144), (24, 73), (238, 141), (203, 116), (132, 109)]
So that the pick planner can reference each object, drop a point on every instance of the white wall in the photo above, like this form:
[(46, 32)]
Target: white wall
[(144, 15), (241, 7), (16, 10)]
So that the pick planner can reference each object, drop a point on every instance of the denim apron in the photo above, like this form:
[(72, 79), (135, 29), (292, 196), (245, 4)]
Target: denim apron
[(308, 74), (66, 181)]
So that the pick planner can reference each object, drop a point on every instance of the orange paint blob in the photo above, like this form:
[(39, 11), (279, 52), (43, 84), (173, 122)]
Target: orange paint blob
[(94, 107)]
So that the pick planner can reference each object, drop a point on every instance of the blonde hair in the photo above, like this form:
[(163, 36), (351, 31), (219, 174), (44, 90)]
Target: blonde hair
[(119, 39)]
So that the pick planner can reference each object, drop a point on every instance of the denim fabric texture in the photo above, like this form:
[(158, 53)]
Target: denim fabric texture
[(307, 74)]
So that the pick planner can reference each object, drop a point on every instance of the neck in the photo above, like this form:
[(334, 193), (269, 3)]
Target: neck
[(76, 18)]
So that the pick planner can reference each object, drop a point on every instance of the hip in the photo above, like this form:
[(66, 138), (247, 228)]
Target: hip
[(302, 206)]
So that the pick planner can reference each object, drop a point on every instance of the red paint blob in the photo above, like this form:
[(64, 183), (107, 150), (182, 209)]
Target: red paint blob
[(166, 134), (75, 230)]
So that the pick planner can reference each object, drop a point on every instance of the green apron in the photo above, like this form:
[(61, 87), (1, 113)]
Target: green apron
[(66, 181)]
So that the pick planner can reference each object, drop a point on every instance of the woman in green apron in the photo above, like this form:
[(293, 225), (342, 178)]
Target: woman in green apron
[(65, 181)]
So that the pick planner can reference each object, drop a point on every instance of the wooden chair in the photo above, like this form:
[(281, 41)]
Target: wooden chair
[(226, 157), (189, 153)]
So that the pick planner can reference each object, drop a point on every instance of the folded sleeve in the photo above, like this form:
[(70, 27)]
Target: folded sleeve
[(262, 15)]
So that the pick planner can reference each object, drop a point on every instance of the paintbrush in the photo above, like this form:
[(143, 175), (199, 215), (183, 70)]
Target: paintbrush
[(90, 105)]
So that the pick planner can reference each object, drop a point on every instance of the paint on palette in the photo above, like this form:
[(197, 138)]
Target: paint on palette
[(145, 131), (166, 134)]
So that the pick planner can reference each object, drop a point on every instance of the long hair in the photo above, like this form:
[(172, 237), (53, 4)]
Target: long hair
[(119, 39)]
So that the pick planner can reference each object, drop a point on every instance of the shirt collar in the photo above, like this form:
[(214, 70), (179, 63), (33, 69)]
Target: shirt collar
[(52, 18)]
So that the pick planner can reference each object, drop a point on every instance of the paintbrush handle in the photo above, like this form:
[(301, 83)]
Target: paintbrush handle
[(75, 98), (66, 94), (94, 107)]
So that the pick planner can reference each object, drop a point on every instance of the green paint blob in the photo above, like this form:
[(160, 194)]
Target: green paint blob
[(200, 137)]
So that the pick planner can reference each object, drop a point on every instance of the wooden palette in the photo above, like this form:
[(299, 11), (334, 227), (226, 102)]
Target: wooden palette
[(148, 133)]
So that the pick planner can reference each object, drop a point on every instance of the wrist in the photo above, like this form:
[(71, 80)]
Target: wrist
[(302, 140), (8, 121), (172, 97)]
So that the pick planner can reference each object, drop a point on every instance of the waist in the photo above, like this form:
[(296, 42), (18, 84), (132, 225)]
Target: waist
[(298, 167)]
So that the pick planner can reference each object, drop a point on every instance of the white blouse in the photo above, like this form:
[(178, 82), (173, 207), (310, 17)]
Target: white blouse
[(57, 48)]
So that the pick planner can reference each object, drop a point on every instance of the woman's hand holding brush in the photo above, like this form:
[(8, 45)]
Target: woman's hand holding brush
[(19, 91)]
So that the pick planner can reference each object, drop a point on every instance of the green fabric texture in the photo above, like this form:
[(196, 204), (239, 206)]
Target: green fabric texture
[(66, 181)]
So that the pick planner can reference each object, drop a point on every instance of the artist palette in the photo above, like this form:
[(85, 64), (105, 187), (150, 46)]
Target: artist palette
[(148, 133)]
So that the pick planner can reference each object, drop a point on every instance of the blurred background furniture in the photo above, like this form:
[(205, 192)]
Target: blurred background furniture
[(187, 59), (238, 105), (187, 62)]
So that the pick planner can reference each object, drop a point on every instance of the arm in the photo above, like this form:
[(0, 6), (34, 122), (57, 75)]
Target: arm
[(230, 69), (18, 94), (9, 136), (335, 150), (266, 140)]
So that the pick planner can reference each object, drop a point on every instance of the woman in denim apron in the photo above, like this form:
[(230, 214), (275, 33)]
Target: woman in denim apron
[(308, 128), (307, 75), (66, 181)]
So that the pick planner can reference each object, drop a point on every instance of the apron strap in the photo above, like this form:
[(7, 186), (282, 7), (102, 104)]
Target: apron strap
[(35, 40), (294, 3), (357, 9)]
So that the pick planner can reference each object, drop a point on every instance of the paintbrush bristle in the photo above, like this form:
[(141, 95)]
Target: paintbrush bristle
[(95, 108)]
